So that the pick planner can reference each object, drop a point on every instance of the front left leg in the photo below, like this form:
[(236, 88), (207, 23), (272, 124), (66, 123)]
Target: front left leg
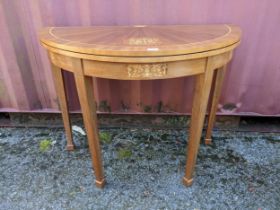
[(86, 97)]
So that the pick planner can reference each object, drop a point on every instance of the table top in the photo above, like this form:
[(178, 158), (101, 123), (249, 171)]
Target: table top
[(141, 40)]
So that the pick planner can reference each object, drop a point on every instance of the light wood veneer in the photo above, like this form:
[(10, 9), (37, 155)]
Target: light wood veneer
[(141, 52)]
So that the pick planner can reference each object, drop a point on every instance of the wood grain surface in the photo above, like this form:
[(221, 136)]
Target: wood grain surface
[(80, 50), (141, 40)]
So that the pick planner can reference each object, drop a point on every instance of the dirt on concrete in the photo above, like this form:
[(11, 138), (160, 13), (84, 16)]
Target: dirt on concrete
[(143, 168)]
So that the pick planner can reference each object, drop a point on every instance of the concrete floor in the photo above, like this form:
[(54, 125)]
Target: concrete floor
[(143, 168)]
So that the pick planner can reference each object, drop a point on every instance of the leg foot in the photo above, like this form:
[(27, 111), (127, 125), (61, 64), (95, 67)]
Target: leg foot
[(70, 147), (100, 184), (208, 141), (187, 182)]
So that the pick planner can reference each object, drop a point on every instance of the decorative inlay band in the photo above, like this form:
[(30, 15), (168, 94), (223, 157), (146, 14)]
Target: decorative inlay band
[(147, 70), (143, 41)]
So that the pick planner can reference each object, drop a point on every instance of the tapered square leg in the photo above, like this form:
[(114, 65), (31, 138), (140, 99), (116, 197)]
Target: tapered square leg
[(86, 97), (217, 89), (200, 101), (62, 98)]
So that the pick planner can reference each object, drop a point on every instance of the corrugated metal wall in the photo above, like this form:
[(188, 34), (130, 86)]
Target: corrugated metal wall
[(252, 84)]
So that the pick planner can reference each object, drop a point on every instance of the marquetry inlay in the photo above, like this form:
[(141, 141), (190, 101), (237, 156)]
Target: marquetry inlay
[(147, 70), (143, 41)]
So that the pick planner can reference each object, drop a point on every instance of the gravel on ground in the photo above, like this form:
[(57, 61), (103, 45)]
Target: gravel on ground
[(143, 168)]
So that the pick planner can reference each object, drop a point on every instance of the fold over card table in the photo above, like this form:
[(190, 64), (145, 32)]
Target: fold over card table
[(141, 52)]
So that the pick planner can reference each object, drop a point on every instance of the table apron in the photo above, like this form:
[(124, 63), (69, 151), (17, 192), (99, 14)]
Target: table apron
[(140, 71)]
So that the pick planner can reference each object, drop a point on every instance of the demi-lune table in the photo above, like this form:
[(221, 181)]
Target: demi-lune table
[(141, 52)]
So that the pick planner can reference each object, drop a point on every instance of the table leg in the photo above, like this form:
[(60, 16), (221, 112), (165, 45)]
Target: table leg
[(217, 89), (88, 106), (199, 106), (61, 94)]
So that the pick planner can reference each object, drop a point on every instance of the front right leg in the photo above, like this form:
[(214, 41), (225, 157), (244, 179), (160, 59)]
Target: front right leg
[(201, 94)]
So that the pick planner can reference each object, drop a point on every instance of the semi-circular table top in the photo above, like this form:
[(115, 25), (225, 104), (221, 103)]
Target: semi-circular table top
[(141, 40)]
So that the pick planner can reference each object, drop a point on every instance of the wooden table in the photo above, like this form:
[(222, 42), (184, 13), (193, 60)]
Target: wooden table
[(141, 52)]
